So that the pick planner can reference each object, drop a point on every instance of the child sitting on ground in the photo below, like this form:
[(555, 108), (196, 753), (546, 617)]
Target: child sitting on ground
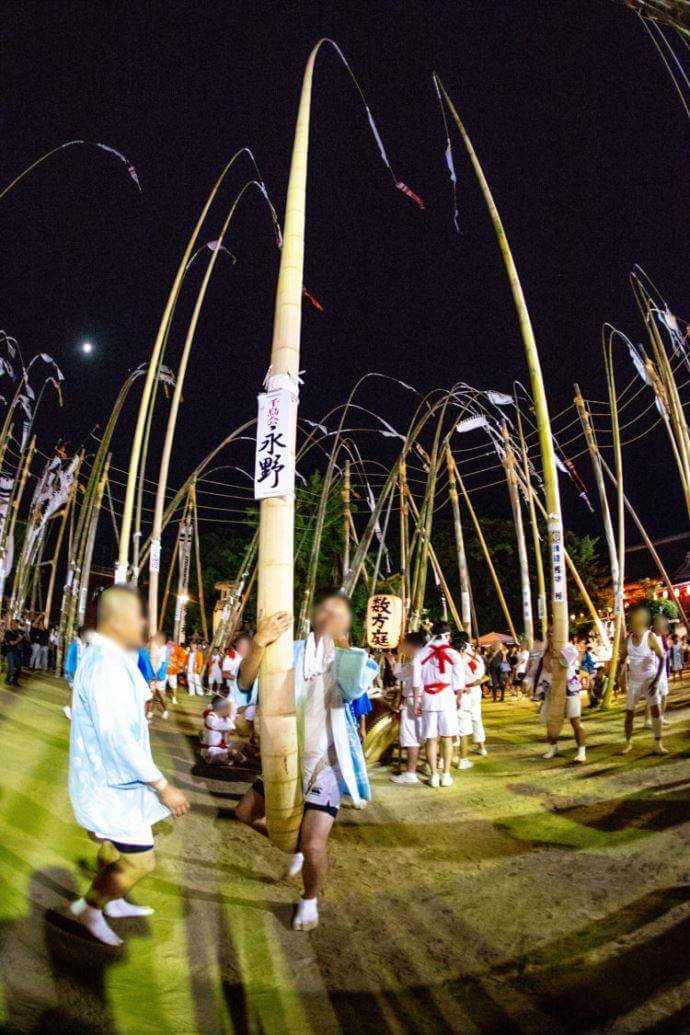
[(216, 749)]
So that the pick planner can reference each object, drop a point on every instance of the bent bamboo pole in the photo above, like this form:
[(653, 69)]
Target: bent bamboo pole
[(559, 594)]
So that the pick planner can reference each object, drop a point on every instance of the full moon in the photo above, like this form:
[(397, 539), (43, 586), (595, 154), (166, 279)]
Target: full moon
[(87, 347)]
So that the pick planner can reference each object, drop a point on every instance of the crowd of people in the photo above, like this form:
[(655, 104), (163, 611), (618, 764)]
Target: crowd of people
[(435, 682)]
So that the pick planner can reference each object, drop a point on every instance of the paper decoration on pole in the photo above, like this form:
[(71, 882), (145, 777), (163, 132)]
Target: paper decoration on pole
[(556, 544), (384, 621), (274, 470), (471, 424)]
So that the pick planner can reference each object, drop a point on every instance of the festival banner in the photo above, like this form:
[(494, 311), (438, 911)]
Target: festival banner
[(274, 470)]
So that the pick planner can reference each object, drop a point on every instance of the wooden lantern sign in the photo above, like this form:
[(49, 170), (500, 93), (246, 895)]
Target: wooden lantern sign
[(384, 621)]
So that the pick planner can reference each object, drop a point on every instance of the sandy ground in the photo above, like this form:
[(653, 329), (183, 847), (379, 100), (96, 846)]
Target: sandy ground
[(529, 897)]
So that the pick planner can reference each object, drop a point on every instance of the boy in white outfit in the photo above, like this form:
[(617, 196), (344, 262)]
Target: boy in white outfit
[(642, 666), (437, 674), (410, 722), (215, 747), (470, 701)]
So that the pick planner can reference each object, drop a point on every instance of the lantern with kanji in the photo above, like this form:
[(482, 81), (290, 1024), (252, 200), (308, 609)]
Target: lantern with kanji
[(384, 621)]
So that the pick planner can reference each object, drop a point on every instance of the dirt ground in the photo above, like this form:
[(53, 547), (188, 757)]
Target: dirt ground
[(529, 897)]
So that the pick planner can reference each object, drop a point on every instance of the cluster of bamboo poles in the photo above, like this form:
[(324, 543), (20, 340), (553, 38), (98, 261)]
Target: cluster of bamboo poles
[(269, 560)]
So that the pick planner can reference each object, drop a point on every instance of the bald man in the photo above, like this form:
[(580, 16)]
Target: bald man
[(116, 789)]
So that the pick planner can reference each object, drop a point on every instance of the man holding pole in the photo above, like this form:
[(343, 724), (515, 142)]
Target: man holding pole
[(328, 674)]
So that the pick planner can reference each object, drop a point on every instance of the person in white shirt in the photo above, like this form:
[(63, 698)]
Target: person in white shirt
[(328, 674), (116, 790), (470, 701), (230, 667), (642, 665), (215, 675), (410, 722), (437, 675), (215, 747), (542, 683)]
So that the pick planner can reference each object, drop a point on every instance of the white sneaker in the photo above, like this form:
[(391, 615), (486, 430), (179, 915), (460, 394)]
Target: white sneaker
[(306, 916), (94, 922), (446, 780), (482, 750), (174, 700), (165, 714), (551, 751), (121, 908), (581, 755), (67, 711), (296, 864), (405, 778), (465, 763), (435, 780)]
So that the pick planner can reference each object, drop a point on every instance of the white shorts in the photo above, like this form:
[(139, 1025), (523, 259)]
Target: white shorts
[(466, 713), (441, 724), (324, 793), (410, 726), (638, 693), (573, 708), (172, 682), (160, 686)]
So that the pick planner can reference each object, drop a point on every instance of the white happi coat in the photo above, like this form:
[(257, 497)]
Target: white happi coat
[(110, 763), (439, 672)]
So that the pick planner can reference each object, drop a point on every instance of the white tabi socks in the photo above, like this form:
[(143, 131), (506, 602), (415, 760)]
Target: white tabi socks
[(119, 908), (94, 922), (296, 864), (551, 751), (306, 916)]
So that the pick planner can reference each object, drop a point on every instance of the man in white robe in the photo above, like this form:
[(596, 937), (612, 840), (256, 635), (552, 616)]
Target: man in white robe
[(116, 790), (327, 675)]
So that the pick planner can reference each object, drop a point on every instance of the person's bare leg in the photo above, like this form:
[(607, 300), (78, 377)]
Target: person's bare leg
[(464, 747), (432, 757), (412, 757), (447, 753), (313, 843), (656, 730), (117, 875), (251, 810), (628, 728), (580, 739)]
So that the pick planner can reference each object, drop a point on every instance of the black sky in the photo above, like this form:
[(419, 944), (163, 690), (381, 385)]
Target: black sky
[(573, 116)]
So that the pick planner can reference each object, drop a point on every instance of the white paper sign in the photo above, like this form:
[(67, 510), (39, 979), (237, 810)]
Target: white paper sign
[(274, 471), (558, 574), (155, 555)]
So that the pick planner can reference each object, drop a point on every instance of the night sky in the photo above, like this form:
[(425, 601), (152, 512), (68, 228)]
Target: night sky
[(573, 116)]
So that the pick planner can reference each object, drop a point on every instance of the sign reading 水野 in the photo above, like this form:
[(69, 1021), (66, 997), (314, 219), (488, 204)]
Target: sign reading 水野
[(274, 473)]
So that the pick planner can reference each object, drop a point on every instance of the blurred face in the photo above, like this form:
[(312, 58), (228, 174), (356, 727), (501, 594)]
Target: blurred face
[(242, 646), (332, 618), (639, 621), (223, 710), (660, 624), (128, 623)]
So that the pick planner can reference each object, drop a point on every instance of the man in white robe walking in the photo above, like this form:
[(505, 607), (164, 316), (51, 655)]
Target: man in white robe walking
[(116, 789)]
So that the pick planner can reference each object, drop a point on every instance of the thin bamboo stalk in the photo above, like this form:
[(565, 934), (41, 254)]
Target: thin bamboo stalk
[(514, 494), (619, 613), (463, 570), (536, 538)]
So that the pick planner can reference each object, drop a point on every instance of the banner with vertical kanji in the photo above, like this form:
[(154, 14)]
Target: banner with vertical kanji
[(274, 472)]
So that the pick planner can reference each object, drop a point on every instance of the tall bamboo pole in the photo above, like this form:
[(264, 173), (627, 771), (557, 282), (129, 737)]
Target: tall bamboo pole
[(90, 542), (15, 499), (197, 554), (485, 550), (536, 538), (511, 478), (279, 751), (595, 457), (619, 614), (404, 541), (347, 518), (559, 594), (463, 570)]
